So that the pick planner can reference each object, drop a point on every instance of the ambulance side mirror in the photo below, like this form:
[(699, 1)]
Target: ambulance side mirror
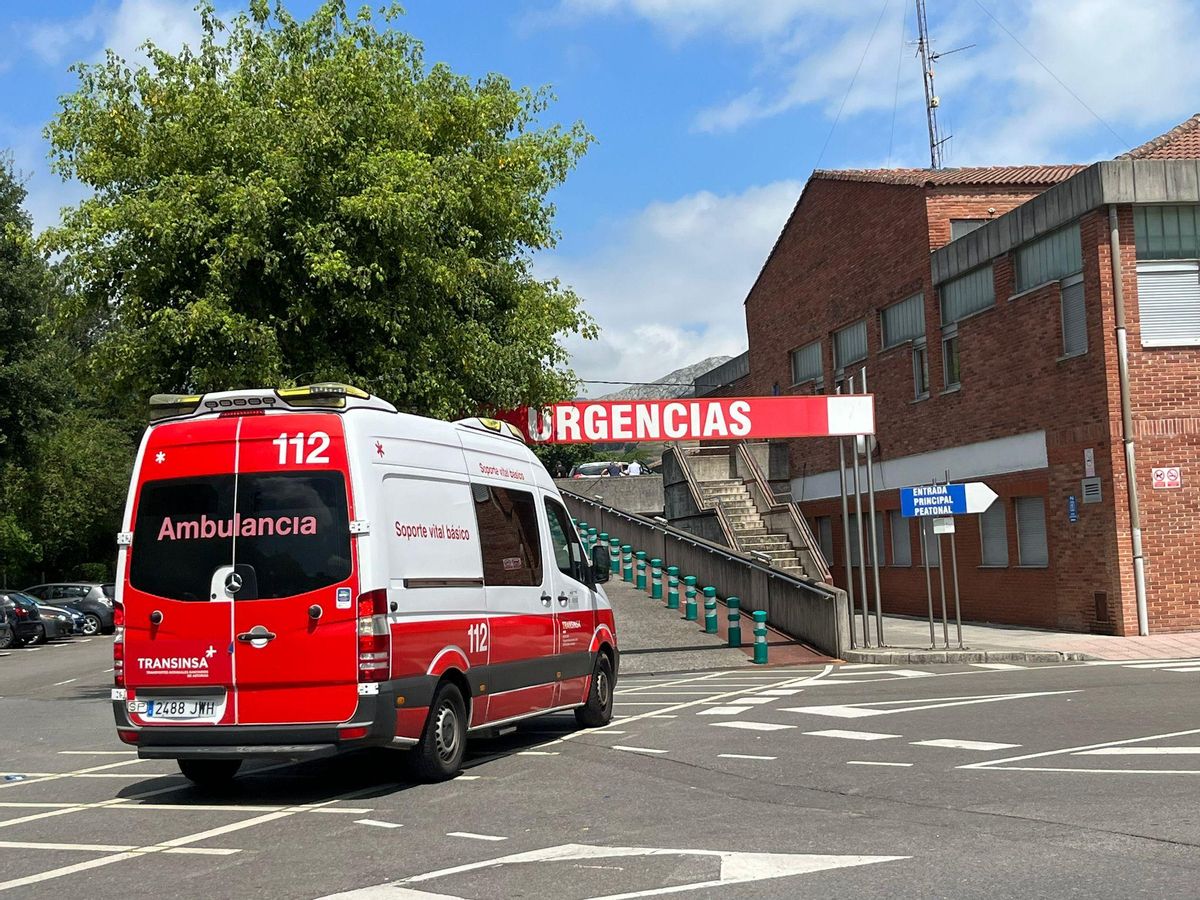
[(601, 564)]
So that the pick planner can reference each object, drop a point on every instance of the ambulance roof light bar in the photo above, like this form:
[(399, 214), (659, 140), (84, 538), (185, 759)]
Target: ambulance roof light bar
[(496, 426), (325, 395)]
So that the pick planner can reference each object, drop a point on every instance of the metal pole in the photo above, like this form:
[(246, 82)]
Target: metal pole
[(957, 612), (874, 527), (942, 580), (846, 530), (862, 559), (1135, 518), (928, 583)]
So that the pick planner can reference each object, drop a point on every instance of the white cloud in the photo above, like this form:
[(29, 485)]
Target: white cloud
[(667, 285)]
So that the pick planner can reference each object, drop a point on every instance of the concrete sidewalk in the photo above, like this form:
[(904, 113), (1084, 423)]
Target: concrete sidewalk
[(907, 641)]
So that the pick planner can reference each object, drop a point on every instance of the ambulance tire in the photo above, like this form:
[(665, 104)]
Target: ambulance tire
[(439, 754), (209, 773), (597, 712)]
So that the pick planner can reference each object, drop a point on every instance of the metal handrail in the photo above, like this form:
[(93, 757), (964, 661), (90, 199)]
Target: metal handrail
[(807, 583), (727, 529), (793, 510)]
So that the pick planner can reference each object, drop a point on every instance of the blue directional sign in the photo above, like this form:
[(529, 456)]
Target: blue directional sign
[(945, 499)]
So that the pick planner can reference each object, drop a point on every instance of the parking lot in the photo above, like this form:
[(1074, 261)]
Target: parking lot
[(825, 780)]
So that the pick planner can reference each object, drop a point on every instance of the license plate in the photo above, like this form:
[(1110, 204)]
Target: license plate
[(180, 709)]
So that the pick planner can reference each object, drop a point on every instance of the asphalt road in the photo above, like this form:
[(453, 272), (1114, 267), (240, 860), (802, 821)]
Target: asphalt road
[(1075, 780)]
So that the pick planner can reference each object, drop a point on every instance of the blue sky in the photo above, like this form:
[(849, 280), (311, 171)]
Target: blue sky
[(709, 115)]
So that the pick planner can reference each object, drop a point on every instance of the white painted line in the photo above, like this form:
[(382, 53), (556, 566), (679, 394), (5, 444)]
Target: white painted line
[(76, 773), (1186, 669), (756, 701), (377, 823), (636, 749), (996, 763), (1086, 771), (106, 671), (904, 673), (723, 711), (781, 692), (624, 703), (61, 683), (97, 753), (646, 693), (867, 762), (537, 753), (891, 707), (112, 848), (1129, 662), (852, 735), (1157, 665), (1140, 751), (475, 837), (965, 745), (467, 777), (845, 666), (752, 726), (664, 716), (744, 756), (999, 667)]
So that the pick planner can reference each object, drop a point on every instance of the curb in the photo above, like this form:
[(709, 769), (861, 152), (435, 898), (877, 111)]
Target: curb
[(923, 657)]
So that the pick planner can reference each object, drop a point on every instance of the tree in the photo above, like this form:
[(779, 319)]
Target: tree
[(297, 201)]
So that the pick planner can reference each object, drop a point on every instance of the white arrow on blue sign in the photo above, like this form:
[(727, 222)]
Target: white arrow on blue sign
[(945, 499)]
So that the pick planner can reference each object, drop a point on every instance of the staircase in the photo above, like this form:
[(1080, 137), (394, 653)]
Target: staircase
[(750, 531)]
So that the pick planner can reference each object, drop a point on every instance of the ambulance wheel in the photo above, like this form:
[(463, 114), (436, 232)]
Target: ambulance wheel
[(439, 753), (209, 773), (597, 711)]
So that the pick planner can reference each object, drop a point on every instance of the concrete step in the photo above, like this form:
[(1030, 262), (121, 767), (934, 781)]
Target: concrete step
[(774, 544)]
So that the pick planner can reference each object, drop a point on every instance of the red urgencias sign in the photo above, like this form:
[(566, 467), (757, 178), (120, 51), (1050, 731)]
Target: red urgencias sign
[(699, 419)]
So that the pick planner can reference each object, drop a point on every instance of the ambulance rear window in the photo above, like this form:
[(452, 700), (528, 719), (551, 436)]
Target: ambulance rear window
[(291, 528)]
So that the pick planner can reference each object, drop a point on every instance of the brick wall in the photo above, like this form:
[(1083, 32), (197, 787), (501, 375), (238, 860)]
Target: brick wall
[(944, 204)]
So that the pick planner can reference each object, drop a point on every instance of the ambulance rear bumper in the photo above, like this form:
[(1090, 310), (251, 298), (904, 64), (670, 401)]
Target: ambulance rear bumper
[(375, 712)]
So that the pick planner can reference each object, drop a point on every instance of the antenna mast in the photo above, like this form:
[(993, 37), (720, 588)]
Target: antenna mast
[(928, 58)]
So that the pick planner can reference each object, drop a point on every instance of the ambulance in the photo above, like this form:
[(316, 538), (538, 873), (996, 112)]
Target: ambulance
[(306, 571)]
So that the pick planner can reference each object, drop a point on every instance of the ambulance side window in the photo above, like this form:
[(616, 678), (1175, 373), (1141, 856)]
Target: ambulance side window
[(508, 536), (568, 552)]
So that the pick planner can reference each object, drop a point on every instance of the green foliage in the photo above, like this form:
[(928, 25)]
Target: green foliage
[(295, 201)]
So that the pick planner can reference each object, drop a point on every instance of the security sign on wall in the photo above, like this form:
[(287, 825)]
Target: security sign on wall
[(1166, 477)]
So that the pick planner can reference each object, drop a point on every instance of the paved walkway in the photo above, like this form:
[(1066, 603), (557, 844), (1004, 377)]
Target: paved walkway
[(1000, 642), (655, 639)]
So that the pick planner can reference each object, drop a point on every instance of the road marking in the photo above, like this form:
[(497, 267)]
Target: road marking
[(467, 777), (537, 753), (868, 762), (782, 692), (723, 711), (111, 848), (891, 707), (965, 745), (1186, 669), (377, 823), (997, 763), (666, 716), (1127, 662), (999, 667), (845, 666), (904, 673), (1140, 751), (77, 772), (744, 756), (756, 701), (1157, 665), (97, 753), (752, 726), (852, 735), (61, 683), (644, 703), (636, 749), (475, 837)]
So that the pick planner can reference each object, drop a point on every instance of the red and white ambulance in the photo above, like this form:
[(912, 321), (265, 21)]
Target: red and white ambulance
[(306, 570)]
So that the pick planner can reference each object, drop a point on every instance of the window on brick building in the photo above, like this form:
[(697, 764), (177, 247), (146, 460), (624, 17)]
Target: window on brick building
[(920, 359), (951, 372), (967, 294), (993, 535), (1049, 258), (823, 529), (806, 364), (903, 321), (1167, 232), (1074, 316), (961, 227), (850, 345), (1169, 303), (1031, 531), (901, 539), (929, 543)]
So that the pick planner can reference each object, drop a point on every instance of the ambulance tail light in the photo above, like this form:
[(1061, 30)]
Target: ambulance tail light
[(374, 637), (119, 658)]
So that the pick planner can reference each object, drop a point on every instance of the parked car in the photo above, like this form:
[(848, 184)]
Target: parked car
[(7, 626), (71, 619), (32, 626), (94, 601), (594, 469)]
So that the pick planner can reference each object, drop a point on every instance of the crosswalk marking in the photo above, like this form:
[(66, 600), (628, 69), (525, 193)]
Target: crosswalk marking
[(999, 667), (852, 735), (723, 711), (744, 756), (752, 726), (965, 745)]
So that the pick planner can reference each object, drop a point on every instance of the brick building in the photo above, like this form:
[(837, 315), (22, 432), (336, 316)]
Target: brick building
[(980, 302)]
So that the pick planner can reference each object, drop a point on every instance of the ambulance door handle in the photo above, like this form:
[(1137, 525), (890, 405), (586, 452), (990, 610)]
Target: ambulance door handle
[(546, 599), (257, 635), (562, 600)]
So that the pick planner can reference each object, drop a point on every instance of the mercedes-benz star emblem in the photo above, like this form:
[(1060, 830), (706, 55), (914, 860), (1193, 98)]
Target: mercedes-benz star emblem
[(233, 583)]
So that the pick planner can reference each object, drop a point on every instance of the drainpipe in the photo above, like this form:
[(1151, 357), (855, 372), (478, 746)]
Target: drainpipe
[(1135, 519)]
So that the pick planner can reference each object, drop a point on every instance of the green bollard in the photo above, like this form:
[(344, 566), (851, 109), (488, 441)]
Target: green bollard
[(760, 637), (614, 550), (627, 563), (581, 527), (591, 541), (689, 594), (656, 579), (641, 570), (735, 621), (710, 612), (672, 587), (709, 593)]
